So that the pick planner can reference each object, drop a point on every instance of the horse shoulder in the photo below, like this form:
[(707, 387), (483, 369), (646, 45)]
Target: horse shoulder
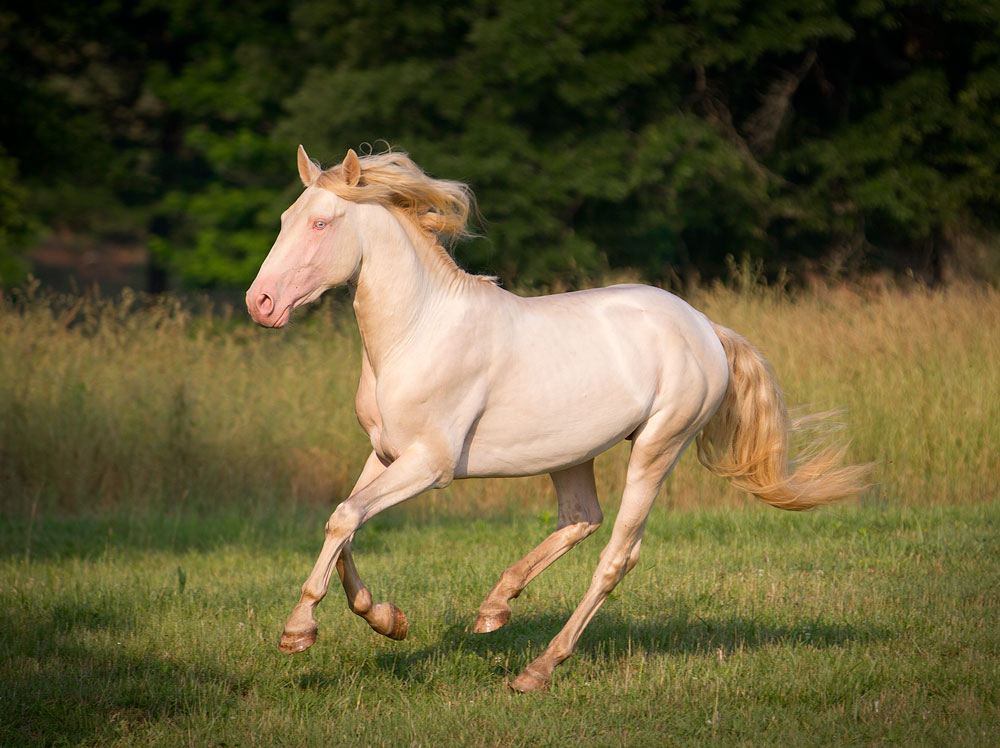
[(431, 392)]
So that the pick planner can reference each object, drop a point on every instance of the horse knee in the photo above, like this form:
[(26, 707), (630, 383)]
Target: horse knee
[(610, 572), (589, 515), (584, 521), (614, 566), (594, 516), (591, 521), (344, 521)]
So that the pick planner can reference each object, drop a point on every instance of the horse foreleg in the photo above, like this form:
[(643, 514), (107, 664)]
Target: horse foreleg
[(408, 476), (645, 474), (579, 515), (384, 618), (300, 631)]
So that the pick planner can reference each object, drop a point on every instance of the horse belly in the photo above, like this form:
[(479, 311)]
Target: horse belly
[(486, 458), (551, 426)]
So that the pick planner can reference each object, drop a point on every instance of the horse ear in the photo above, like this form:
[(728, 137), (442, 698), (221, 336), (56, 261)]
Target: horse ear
[(308, 169), (351, 168)]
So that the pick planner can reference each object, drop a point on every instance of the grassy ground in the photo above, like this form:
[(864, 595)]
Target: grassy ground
[(854, 625), (165, 475)]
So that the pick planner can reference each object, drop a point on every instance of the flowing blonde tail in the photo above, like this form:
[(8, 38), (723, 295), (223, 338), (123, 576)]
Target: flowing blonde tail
[(747, 439)]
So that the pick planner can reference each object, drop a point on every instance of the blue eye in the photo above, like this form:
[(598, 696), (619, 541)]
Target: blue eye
[(319, 224)]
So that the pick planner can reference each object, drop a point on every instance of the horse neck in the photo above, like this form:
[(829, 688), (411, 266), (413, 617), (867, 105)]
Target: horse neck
[(403, 280)]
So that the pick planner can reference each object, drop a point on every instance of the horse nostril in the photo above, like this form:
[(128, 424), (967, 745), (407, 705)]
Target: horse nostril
[(265, 304)]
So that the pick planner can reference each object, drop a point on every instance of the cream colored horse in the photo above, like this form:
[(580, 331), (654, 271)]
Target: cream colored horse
[(462, 379)]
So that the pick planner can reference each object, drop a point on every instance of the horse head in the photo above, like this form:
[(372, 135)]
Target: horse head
[(316, 249)]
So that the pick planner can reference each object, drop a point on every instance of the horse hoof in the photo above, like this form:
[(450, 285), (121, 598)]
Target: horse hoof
[(527, 682), (487, 622), (296, 642), (398, 627)]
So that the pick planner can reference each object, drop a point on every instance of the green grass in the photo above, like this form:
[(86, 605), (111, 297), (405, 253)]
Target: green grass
[(852, 625)]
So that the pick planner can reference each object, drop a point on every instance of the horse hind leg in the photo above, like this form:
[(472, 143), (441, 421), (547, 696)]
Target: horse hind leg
[(579, 515), (648, 466)]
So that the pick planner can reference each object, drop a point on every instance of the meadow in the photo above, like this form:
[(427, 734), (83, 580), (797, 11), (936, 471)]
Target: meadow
[(166, 469)]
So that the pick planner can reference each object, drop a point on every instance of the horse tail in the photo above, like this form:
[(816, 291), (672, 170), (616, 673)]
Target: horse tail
[(747, 440)]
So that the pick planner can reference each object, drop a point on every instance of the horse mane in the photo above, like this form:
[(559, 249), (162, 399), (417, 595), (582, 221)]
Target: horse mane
[(440, 208)]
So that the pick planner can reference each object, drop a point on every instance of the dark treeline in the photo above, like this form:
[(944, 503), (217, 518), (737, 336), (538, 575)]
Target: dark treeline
[(597, 134)]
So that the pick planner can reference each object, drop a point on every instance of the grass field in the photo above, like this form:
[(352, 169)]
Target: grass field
[(165, 476), (854, 625)]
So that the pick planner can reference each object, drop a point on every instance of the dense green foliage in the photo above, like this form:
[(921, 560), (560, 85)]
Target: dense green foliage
[(656, 136)]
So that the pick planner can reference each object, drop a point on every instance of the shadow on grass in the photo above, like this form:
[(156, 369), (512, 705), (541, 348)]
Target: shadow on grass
[(298, 529), (60, 687), (68, 681), (610, 635)]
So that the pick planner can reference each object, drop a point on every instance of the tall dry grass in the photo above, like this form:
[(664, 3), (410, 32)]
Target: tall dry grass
[(137, 403), (914, 371)]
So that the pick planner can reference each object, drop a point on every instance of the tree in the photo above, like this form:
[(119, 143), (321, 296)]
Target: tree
[(16, 224), (596, 134)]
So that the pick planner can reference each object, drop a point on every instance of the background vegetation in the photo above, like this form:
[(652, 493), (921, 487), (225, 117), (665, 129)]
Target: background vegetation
[(139, 403), (831, 136)]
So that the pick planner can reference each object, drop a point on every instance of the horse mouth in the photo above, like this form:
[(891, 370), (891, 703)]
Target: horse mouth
[(282, 318), (266, 314), (276, 322)]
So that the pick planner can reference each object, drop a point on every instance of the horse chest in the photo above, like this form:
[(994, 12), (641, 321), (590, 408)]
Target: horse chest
[(387, 421), (400, 408)]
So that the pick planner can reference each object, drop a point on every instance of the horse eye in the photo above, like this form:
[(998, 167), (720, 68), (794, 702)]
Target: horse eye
[(319, 225)]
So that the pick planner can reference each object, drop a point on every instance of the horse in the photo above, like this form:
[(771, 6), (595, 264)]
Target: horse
[(461, 379)]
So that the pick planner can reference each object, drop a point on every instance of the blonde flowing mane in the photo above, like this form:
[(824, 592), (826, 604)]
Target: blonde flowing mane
[(438, 209), (440, 206)]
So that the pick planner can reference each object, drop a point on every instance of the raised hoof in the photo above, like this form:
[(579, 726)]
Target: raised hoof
[(398, 627), (527, 682), (491, 621), (297, 642)]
